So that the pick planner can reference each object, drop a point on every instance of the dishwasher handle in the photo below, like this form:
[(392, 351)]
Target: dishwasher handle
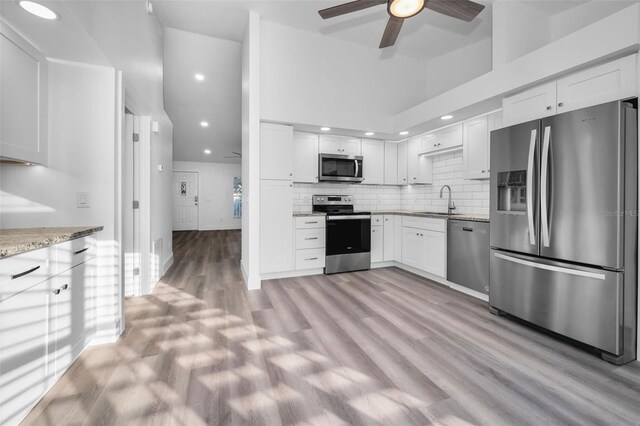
[(464, 228)]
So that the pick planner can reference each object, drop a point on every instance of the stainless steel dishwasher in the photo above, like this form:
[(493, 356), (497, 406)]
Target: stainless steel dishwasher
[(468, 254)]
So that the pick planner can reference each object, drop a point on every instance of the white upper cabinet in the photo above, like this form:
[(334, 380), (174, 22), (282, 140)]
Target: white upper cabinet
[(476, 149), (419, 167), (532, 104), (448, 138), (403, 151), (373, 162), (305, 157), (608, 82), (276, 151), (592, 86), (332, 144), (23, 103), (390, 163)]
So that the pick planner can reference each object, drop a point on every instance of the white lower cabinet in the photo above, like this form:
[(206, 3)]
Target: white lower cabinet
[(388, 253), (43, 329), (424, 244), (24, 336), (377, 243), (276, 226), (310, 234)]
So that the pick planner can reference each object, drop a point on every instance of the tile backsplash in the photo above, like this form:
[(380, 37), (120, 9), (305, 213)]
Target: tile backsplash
[(470, 196)]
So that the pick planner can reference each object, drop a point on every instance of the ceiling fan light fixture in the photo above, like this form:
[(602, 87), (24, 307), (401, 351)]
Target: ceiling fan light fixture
[(405, 8)]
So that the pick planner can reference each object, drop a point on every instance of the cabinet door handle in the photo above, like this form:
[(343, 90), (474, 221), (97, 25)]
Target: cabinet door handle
[(56, 291), (311, 258), (80, 251), (549, 108), (561, 104), (27, 272), (64, 287), (314, 238), (310, 223)]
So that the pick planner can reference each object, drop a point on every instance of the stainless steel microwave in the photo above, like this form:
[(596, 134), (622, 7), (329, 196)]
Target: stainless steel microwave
[(340, 168)]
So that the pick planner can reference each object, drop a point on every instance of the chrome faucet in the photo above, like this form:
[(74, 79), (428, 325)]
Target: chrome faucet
[(451, 206)]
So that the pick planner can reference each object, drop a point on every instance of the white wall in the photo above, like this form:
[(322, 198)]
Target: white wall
[(82, 157), (309, 78), (250, 261), (459, 66), (518, 29), (215, 193), (132, 40)]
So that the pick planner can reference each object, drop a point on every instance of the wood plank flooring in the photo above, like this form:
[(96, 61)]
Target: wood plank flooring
[(374, 347)]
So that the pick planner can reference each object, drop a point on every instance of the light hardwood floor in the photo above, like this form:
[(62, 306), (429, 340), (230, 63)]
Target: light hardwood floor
[(375, 347)]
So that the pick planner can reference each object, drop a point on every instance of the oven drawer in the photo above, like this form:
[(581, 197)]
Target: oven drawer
[(427, 223), (310, 238), (310, 259), (310, 222)]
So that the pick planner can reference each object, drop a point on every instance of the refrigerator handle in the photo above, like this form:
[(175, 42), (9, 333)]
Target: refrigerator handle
[(532, 151), (543, 190)]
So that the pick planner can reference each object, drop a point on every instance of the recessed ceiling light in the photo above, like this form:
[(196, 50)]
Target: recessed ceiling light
[(404, 133), (207, 151), (199, 77), (39, 10), (369, 134), (446, 117), (325, 129), (204, 124)]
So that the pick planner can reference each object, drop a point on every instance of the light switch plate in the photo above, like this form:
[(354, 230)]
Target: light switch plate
[(82, 200)]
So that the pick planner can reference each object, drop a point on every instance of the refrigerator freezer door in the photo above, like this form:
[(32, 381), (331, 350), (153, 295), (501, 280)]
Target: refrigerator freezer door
[(578, 302), (514, 188), (582, 216)]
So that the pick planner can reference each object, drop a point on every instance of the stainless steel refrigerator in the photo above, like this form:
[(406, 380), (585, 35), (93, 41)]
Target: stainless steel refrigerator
[(564, 201)]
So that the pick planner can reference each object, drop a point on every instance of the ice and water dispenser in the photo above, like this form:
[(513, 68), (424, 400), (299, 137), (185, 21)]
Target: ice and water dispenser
[(512, 191)]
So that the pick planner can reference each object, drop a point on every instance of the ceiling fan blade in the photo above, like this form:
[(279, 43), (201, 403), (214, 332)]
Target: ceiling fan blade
[(394, 25), (462, 9), (345, 8)]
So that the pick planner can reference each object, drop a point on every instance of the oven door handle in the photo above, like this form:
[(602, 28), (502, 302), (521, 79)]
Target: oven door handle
[(349, 217)]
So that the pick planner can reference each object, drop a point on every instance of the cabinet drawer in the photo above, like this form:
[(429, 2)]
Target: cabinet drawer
[(22, 271), (310, 238), (310, 259), (74, 252), (377, 220), (427, 223), (310, 222)]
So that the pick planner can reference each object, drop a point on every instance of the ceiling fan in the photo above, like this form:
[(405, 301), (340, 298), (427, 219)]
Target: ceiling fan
[(235, 155), (399, 10)]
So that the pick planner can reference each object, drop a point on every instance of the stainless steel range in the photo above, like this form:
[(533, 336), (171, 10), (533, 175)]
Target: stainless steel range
[(348, 238)]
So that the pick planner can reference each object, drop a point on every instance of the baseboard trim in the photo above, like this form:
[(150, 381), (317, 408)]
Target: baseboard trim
[(432, 277), (291, 274), (221, 228), (167, 264)]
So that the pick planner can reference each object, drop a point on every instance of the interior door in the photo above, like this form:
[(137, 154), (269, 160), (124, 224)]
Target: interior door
[(513, 191), (185, 201), (582, 186)]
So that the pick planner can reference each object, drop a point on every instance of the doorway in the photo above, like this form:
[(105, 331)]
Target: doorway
[(131, 211), (185, 201)]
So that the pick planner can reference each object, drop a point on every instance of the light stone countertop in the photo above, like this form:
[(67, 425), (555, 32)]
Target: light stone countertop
[(21, 240), (470, 217)]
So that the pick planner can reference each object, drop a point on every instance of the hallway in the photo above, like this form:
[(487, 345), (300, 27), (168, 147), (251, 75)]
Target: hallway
[(373, 347)]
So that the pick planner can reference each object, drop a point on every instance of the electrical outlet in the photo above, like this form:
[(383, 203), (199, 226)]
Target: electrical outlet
[(82, 200)]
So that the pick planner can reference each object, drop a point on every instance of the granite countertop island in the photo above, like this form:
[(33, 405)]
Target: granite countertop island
[(20, 240), (435, 215)]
